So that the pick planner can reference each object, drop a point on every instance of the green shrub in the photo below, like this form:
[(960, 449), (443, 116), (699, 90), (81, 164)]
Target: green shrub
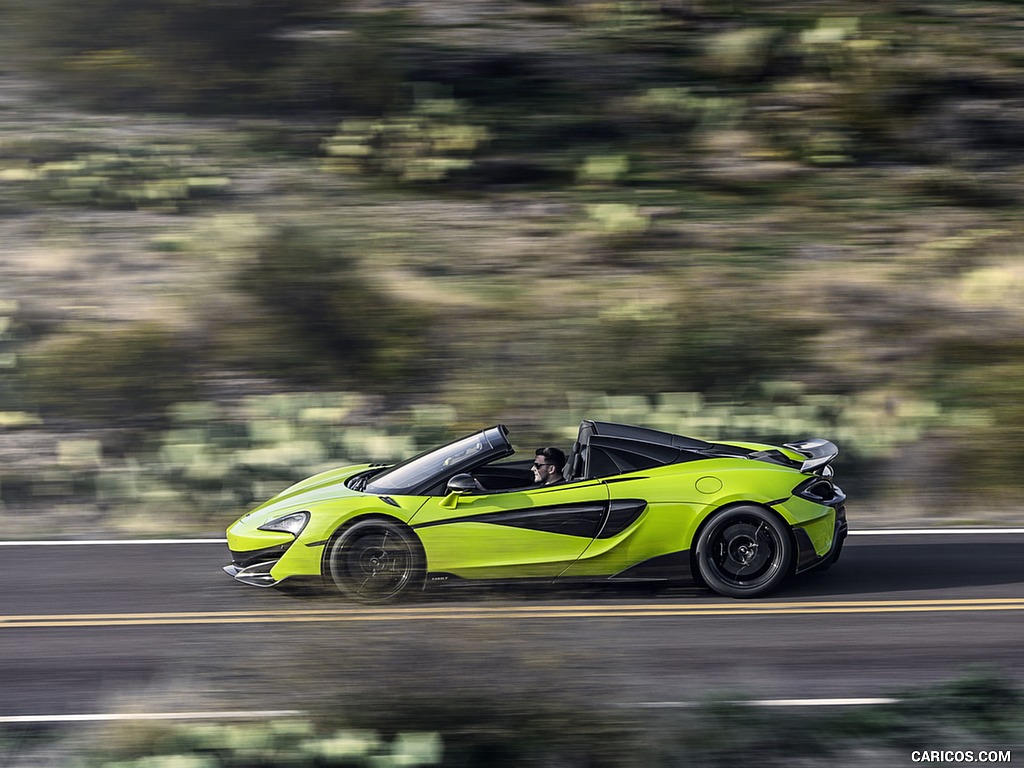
[(354, 65), (139, 177), (316, 317), (989, 380), (129, 373), (435, 141), (8, 354), (180, 53), (741, 54), (295, 743), (701, 341)]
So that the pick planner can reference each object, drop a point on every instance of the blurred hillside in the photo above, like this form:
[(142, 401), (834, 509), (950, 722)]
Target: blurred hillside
[(243, 240)]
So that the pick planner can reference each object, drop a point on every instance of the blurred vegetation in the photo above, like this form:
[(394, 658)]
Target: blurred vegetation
[(758, 219), (210, 458), (429, 144), (104, 374), (974, 713), (149, 177), (319, 319), (186, 53)]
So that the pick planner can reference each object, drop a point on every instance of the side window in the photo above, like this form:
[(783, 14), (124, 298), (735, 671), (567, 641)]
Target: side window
[(631, 462), (600, 464), (611, 461)]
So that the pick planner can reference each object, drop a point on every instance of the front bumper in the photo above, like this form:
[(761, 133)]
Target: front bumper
[(254, 567)]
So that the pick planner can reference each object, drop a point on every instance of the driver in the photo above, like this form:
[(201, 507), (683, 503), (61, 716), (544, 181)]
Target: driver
[(548, 465), (547, 470)]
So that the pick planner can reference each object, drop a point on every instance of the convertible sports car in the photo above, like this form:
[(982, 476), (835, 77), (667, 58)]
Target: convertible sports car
[(637, 504)]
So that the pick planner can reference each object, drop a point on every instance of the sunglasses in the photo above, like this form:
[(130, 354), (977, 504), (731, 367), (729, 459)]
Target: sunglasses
[(538, 465)]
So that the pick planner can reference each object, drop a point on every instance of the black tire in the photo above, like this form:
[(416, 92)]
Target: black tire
[(375, 561), (744, 551)]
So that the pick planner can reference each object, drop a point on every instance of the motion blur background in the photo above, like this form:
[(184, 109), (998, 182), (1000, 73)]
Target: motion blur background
[(243, 240)]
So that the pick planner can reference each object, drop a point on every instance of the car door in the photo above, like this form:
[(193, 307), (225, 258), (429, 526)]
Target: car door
[(530, 533)]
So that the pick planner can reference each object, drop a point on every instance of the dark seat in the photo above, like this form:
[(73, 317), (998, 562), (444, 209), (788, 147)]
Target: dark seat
[(573, 468), (576, 465)]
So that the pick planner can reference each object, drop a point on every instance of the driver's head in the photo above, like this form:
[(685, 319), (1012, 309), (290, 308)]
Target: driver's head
[(548, 464)]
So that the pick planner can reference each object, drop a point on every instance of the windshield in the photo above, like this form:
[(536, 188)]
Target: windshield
[(436, 463)]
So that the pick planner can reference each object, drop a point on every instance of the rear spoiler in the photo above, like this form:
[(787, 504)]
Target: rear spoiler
[(817, 452)]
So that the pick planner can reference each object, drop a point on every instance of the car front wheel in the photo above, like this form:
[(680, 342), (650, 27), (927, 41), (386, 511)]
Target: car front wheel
[(744, 551), (375, 561)]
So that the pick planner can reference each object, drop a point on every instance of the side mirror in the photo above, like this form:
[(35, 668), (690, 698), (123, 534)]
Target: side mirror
[(463, 483), (457, 486)]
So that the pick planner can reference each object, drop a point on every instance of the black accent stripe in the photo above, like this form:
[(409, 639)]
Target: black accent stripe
[(583, 520), (675, 566), (806, 556), (610, 480), (623, 513)]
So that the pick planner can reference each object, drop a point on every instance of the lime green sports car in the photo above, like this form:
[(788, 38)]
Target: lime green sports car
[(636, 504)]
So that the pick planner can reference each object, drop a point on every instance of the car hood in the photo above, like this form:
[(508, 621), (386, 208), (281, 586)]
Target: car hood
[(313, 490)]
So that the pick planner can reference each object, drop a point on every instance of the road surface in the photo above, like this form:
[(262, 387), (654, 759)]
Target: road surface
[(107, 628)]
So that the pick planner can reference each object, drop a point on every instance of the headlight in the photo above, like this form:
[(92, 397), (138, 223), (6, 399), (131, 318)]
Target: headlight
[(293, 523)]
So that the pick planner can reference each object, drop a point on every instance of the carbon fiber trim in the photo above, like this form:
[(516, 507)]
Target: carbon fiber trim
[(623, 513), (247, 559), (806, 556), (674, 566), (583, 520)]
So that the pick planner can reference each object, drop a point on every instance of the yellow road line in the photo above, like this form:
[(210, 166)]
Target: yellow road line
[(378, 612), (514, 611)]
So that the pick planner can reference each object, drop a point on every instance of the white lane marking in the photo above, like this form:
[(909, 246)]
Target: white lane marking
[(223, 542), (847, 702), (769, 702), (866, 702), (100, 718), (284, 713), (107, 542), (932, 531)]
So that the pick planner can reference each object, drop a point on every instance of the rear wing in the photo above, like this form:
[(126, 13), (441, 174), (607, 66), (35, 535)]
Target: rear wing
[(817, 452)]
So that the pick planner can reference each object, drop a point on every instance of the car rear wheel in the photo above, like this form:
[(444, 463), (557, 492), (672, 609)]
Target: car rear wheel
[(375, 561), (744, 552)]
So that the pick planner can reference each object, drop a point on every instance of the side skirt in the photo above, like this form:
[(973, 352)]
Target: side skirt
[(675, 566)]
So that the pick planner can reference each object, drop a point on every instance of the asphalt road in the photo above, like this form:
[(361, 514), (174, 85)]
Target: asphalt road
[(105, 628)]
